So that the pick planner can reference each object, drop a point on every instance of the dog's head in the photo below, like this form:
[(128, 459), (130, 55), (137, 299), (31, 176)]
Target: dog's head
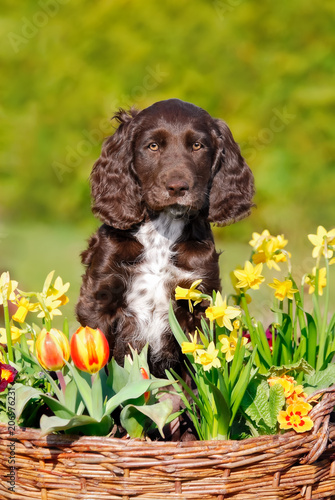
[(171, 156)]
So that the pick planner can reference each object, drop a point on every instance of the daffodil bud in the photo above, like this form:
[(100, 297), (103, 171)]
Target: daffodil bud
[(52, 348), (89, 349)]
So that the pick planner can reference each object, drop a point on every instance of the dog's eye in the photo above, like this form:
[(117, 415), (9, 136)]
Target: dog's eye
[(196, 146), (153, 146)]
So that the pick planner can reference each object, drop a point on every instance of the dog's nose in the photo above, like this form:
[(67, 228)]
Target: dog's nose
[(177, 188)]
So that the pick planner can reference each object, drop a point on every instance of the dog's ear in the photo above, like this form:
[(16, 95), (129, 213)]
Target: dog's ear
[(115, 191), (230, 197)]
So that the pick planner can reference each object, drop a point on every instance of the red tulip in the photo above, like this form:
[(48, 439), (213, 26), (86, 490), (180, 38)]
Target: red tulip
[(89, 349), (52, 348), (146, 377)]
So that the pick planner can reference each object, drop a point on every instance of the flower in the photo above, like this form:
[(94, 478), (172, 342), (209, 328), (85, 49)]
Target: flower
[(229, 344), (297, 395), (52, 348), (24, 307), (208, 359), (286, 382), (295, 417), (89, 349), (52, 307), (15, 334), (268, 249), (237, 297), (189, 294), (7, 288), (7, 375), (145, 376), (222, 313), (283, 289), (57, 291), (310, 280), (321, 241), (250, 276), (190, 347)]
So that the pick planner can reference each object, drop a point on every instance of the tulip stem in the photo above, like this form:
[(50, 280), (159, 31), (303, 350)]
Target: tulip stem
[(61, 381)]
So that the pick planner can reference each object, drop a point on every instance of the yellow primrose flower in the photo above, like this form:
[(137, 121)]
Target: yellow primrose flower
[(7, 288), (283, 289), (208, 358), (222, 313), (321, 240), (189, 294), (190, 347), (24, 307), (229, 344), (310, 280), (297, 395), (250, 276), (286, 382), (15, 334), (295, 417)]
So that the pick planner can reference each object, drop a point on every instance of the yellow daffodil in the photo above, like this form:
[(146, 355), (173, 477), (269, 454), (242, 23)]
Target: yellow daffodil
[(190, 347), (58, 290), (234, 282), (189, 294), (222, 313), (283, 289), (15, 334), (229, 344), (270, 252), (257, 239), (321, 241), (51, 305), (295, 417), (250, 276), (310, 280), (7, 288), (24, 307), (208, 358)]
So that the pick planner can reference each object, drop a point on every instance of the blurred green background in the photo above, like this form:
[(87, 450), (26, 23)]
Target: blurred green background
[(266, 68)]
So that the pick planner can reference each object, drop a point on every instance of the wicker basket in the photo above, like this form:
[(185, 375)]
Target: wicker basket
[(288, 466)]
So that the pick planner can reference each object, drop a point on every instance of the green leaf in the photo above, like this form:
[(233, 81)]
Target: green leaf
[(311, 340), (276, 403), (241, 386), (136, 419), (300, 366), (175, 327), (24, 394), (255, 402), (117, 376), (82, 423), (222, 413), (97, 397), (84, 387), (321, 379), (58, 408), (73, 399)]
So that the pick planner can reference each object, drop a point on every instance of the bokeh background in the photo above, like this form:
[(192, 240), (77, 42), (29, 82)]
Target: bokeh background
[(266, 68)]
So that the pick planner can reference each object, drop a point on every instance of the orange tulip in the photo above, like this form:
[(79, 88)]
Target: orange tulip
[(52, 348), (89, 349), (146, 377)]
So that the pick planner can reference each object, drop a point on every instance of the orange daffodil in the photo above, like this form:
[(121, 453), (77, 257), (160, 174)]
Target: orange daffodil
[(221, 313), (189, 294)]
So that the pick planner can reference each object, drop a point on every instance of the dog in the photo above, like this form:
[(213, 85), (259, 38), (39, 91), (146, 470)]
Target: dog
[(166, 173)]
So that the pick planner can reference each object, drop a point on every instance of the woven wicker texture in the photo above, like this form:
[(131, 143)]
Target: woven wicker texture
[(289, 466)]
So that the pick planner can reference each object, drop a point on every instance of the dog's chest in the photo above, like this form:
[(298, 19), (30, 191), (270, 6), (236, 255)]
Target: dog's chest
[(153, 282)]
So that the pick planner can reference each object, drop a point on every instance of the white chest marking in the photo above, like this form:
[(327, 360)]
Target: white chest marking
[(150, 291)]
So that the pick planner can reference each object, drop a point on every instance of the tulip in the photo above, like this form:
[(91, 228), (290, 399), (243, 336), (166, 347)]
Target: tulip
[(145, 376), (89, 349), (52, 349)]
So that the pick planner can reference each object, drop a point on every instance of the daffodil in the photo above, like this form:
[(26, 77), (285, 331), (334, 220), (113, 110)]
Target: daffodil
[(310, 280), (58, 290), (270, 252), (208, 358), (257, 239), (229, 344), (52, 307), (222, 313), (24, 306), (15, 334), (283, 289), (250, 276), (321, 241), (189, 294), (234, 282), (7, 288), (295, 417), (190, 347)]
